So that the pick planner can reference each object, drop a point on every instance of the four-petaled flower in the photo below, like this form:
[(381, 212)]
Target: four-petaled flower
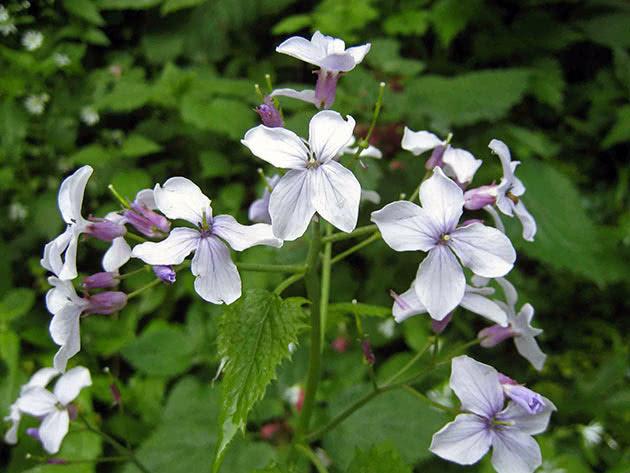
[(487, 423), (217, 279), (440, 283), (315, 182)]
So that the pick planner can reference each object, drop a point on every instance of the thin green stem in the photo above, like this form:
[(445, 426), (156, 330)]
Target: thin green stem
[(288, 282), (310, 454), (344, 254), (365, 142), (357, 232), (145, 268), (124, 202), (271, 268), (424, 398), (416, 192), (139, 291), (326, 267), (133, 236), (410, 363)]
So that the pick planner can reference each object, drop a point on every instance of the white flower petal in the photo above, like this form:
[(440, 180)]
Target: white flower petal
[(69, 268), (514, 451), (419, 142), (240, 237), (217, 279), (511, 296), (69, 385), (443, 200), (328, 133), (359, 52), (63, 323), (528, 222), (172, 250), (463, 441), (147, 198), (291, 204), (524, 420), (485, 250), (53, 430), (71, 192), (338, 62), (277, 146), (501, 150), (51, 259), (303, 49), (259, 211), (479, 304), (37, 402), (477, 386), (179, 197), (407, 305), (525, 340), (116, 255), (337, 195), (496, 218), (15, 416), (440, 282), (41, 378), (503, 202), (406, 226), (372, 197), (460, 164), (61, 295), (307, 95)]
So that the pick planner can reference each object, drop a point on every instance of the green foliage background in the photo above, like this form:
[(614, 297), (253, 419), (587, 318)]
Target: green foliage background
[(172, 83)]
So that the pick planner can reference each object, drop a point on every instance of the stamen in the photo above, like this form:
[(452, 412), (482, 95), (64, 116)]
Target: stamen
[(512, 197)]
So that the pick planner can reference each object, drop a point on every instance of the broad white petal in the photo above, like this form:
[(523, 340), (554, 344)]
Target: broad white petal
[(514, 451), (63, 323), (240, 237), (443, 200), (291, 204), (145, 197), (528, 348), (440, 282), (277, 146), (406, 226), (69, 349), (503, 152), (53, 429), (37, 402), (179, 197), (463, 441), (477, 386), (307, 95), (41, 378), (511, 296), (496, 218), (15, 416), (503, 202), (460, 164), (259, 211), (69, 385), (328, 133), (303, 49), (337, 62), (61, 295), (372, 197), (528, 222), (217, 279), (337, 195), (485, 250), (484, 306), (407, 305), (71, 192), (359, 52), (116, 255), (419, 142), (51, 260), (524, 420), (69, 268), (173, 250)]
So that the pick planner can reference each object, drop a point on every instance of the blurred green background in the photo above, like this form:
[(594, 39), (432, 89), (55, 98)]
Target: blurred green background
[(146, 89)]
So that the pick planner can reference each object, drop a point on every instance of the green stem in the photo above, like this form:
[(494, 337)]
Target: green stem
[(124, 202), (288, 282), (357, 232), (137, 292), (365, 142), (271, 268), (134, 272), (313, 291), (133, 236), (415, 194), (308, 453), (326, 267), (409, 364), (344, 254), (424, 398)]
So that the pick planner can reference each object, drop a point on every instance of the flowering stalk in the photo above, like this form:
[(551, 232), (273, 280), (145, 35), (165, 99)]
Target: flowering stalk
[(357, 232), (326, 267), (365, 142)]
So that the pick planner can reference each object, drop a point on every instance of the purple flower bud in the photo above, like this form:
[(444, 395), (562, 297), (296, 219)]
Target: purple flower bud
[(326, 87), (100, 280), (435, 160), (399, 300), (106, 303), (479, 197), (269, 114), (368, 354), (146, 221), (529, 400), (438, 326), (33, 432), (165, 273), (503, 379), (105, 230), (493, 335), (115, 394)]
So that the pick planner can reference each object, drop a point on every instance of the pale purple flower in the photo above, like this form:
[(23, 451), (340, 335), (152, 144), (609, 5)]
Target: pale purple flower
[(475, 299), (315, 182), (519, 328), (529, 400), (259, 210), (165, 273), (269, 114), (217, 279), (104, 279), (104, 229), (440, 283), (105, 303), (331, 56), (53, 407), (487, 423), (142, 217), (457, 163)]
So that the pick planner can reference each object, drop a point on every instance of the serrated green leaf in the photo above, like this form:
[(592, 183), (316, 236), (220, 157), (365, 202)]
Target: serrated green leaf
[(137, 145), (84, 9), (385, 56), (16, 303), (254, 336), (291, 24), (450, 17), (378, 459), (224, 116)]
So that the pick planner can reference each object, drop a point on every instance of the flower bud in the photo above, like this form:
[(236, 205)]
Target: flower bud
[(105, 230), (100, 280), (146, 221), (115, 392), (435, 160), (340, 344), (326, 88), (529, 400), (106, 303), (33, 432), (479, 197), (368, 354), (56, 461), (270, 430), (493, 335), (165, 273), (438, 326), (269, 114)]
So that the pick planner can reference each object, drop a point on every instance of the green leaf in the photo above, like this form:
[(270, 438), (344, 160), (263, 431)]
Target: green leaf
[(450, 17), (254, 335), (344, 19), (16, 303), (608, 30), (620, 132), (130, 181), (170, 6), (291, 24), (547, 83), (127, 4), (407, 23), (224, 116), (385, 56), (378, 459), (84, 9), (137, 145), (130, 92), (93, 154), (161, 350)]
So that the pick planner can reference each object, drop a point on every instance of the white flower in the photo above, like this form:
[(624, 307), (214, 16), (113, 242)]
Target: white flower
[(62, 60), (369, 152), (458, 163), (592, 433), (315, 182), (4, 14), (217, 279), (387, 328), (89, 116), (440, 283), (510, 190), (53, 407), (36, 104), (17, 212), (32, 40)]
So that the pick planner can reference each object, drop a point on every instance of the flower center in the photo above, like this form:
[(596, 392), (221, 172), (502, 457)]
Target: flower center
[(444, 239), (512, 197), (312, 163)]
